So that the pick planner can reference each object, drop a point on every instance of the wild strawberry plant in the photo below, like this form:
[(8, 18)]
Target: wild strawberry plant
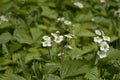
[(59, 39)]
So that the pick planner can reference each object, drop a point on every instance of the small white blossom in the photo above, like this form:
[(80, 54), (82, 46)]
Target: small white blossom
[(59, 39), (106, 38), (78, 4), (68, 36), (2, 18), (57, 32), (101, 54), (93, 19), (68, 46), (46, 44), (66, 22), (47, 38), (54, 35), (102, 1), (104, 46), (117, 13), (60, 19), (60, 54), (98, 32), (98, 39)]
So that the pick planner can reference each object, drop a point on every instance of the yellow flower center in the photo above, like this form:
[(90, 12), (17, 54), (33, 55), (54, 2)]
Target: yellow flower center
[(58, 38), (106, 37), (105, 46), (101, 52), (46, 43), (98, 38)]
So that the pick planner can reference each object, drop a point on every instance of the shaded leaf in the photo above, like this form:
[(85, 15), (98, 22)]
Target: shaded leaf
[(15, 46), (52, 77), (10, 76)]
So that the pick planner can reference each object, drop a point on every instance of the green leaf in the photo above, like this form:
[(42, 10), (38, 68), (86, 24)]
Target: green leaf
[(81, 32), (33, 55), (73, 68), (16, 57), (76, 78), (4, 25), (52, 77), (4, 61), (6, 6), (47, 12), (83, 17), (36, 33), (93, 74), (113, 38), (103, 21), (22, 35), (11, 76), (3, 68), (4, 49), (5, 37), (14, 46), (50, 67), (113, 54), (76, 52), (85, 33)]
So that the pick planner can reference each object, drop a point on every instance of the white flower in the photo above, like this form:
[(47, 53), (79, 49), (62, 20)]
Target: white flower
[(98, 32), (66, 22), (68, 36), (78, 4), (102, 1), (2, 18), (68, 46), (101, 54), (98, 39), (104, 46), (47, 38), (59, 39), (93, 19), (46, 44), (60, 19), (106, 38)]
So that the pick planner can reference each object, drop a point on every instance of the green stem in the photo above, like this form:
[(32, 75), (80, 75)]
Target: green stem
[(62, 60), (49, 55)]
